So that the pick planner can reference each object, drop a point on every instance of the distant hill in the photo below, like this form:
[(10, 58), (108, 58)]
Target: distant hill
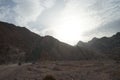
[(20, 44), (109, 46)]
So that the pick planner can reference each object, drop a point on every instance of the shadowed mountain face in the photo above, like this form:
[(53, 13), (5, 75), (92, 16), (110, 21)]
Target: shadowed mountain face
[(50, 48), (109, 46), (20, 44), (16, 42)]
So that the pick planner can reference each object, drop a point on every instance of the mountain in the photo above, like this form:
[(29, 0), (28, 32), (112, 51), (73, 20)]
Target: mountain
[(15, 42), (20, 44), (109, 46), (50, 48)]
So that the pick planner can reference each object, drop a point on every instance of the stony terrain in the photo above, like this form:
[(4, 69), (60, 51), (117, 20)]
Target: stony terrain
[(60, 70)]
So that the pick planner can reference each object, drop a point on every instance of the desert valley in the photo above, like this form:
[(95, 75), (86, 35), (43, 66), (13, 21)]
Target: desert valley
[(25, 55)]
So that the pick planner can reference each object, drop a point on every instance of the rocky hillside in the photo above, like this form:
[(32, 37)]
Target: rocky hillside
[(50, 48), (109, 46), (20, 44), (15, 42)]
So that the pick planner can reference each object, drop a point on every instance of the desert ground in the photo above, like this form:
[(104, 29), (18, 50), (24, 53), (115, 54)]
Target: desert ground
[(62, 70)]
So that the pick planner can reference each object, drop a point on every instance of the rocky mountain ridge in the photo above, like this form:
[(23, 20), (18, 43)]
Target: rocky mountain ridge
[(18, 44), (109, 46)]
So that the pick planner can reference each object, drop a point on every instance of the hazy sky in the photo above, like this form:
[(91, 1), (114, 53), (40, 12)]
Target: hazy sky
[(67, 20)]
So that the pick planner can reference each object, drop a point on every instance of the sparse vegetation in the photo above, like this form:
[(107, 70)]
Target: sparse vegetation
[(64, 70)]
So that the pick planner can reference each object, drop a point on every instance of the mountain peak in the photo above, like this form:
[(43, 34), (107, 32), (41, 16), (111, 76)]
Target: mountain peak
[(94, 39), (118, 34), (109, 46)]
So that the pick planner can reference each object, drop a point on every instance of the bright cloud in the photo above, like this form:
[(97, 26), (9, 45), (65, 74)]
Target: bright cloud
[(29, 10), (67, 20), (108, 10)]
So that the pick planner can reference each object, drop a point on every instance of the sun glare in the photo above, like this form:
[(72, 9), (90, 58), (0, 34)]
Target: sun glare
[(70, 27)]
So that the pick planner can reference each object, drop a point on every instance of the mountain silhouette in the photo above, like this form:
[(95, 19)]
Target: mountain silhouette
[(109, 46), (18, 44)]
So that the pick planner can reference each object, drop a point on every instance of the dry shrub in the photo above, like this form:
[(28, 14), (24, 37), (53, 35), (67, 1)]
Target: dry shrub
[(49, 77), (19, 63)]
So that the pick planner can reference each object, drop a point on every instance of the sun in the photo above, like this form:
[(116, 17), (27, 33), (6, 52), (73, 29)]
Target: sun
[(70, 27), (68, 30)]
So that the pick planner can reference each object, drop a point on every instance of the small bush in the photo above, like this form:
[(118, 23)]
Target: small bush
[(49, 77), (19, 63)]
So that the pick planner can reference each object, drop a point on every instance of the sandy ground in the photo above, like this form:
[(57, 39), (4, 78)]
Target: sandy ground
[(62, 70)]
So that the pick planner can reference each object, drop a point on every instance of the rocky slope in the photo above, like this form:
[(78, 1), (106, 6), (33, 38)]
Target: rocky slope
[(109, 46), (15, 42), (20, 44), (50, 48)]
